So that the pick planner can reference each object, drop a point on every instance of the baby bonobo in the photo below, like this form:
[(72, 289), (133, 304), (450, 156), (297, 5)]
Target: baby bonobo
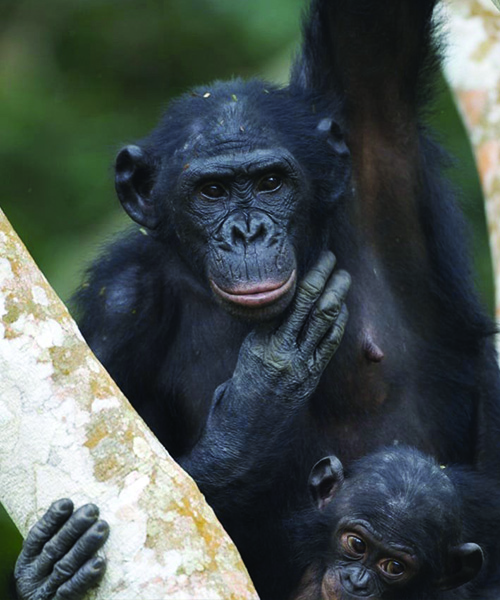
[(395, 527)]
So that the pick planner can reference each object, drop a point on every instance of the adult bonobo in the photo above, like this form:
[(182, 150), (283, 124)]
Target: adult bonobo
[(243, 190)]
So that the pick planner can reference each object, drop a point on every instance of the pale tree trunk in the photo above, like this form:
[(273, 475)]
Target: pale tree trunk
[(473, 70), (66, 430)]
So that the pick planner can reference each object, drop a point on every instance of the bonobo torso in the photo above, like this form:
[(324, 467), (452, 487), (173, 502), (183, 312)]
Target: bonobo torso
[(368, 394)]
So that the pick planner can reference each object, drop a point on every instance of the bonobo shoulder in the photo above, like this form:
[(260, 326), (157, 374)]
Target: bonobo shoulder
[(115, 276), (128, 288)]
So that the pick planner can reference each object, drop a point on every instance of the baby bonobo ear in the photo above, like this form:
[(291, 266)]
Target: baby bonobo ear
[(325, 480), (465, 562)]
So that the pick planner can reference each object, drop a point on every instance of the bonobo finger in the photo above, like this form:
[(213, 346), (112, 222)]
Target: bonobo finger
[(326, 310), (62, 542), (331, 341), (83, 551), (87, 577), (45, 528), (86, 546), (308, 291)]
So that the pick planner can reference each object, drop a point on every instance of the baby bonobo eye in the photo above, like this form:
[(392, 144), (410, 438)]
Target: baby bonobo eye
[(213, 191), (353, 544), (269, 183), (392, 568)]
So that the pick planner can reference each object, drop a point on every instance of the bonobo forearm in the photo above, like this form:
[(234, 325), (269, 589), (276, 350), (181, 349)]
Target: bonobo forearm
[(278, 370)]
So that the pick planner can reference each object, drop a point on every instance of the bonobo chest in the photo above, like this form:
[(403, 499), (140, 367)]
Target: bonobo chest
[(368, 396), (381, 389), (201, 356)]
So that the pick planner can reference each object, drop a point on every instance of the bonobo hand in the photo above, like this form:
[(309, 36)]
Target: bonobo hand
[(276, 374), (288, 362), (58, 559)]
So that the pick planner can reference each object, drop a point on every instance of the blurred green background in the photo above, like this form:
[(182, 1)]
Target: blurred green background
[(80, 78)]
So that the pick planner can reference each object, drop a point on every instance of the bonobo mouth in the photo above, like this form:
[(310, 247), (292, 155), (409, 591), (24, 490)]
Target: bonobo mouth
[(256, 295)]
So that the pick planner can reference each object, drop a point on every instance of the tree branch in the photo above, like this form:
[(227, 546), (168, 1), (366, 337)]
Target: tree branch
[(473, 70), (66, 430)]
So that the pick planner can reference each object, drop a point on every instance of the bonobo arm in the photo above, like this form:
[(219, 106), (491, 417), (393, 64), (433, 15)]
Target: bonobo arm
[(276, 374), (374, 54), (58, 559), (121, 308)]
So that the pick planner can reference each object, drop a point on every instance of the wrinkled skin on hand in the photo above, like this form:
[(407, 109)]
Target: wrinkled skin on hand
[(288, 362), (58, 559), (278, 370)]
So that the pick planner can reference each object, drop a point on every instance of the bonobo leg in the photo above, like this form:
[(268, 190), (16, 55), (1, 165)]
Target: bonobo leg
[(58, 559), (278, 370)]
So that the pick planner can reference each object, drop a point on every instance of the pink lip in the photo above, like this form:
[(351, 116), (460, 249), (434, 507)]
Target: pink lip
[(258, 295)]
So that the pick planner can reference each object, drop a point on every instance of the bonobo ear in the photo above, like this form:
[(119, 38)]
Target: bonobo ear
[(325, 480), (465, 562), (134, 179), (331, 131)]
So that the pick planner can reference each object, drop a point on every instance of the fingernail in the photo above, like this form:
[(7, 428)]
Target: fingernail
[(90, 510)]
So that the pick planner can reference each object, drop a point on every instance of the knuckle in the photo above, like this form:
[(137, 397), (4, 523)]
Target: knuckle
[(21, 568), (324, 316), (41, 530), (330, 308), (311, 288), (66, 592), (278, 362), (311, 365), (50, 551), (62, 571), (335, 302)]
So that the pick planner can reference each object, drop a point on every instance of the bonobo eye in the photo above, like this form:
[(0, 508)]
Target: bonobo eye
[(213, 191), (269, 183), (353, 545), (392, 568)]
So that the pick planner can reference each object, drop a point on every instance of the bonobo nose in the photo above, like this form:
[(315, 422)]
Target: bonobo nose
[(357, 581), (247, 228)]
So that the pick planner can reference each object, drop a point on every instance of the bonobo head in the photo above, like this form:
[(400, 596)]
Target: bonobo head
[(394, 530), (240, 177)]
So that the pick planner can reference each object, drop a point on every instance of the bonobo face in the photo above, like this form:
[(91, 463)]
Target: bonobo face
[(240, 210), (394, 528), (365, 566), (239, 180)]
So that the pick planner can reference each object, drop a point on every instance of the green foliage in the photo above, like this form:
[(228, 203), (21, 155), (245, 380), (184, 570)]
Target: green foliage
[(79, 78), (451, 133)]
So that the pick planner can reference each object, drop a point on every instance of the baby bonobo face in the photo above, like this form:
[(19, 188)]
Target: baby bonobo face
[(394, 526)]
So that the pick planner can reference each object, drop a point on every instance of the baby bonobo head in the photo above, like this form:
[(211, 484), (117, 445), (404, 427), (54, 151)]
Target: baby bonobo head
[(394, 528)]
